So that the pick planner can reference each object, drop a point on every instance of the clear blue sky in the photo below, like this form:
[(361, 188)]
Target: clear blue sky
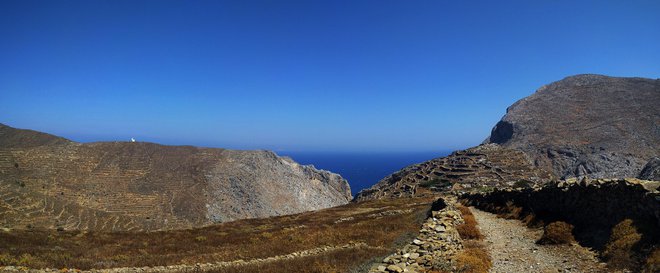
[(304, 75)]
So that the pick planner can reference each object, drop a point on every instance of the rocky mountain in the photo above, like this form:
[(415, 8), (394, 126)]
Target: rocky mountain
[(582, 125), (480, 168), (48, 181), (586, 125)]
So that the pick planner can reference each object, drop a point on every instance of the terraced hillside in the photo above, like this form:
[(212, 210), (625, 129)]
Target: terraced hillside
[(478, 168), (346, 238), (50, 182)]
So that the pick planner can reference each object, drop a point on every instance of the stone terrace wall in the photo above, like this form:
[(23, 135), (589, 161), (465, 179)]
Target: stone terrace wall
[(435, 246)]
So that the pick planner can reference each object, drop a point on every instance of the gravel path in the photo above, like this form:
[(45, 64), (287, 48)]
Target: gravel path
[(513, 249)]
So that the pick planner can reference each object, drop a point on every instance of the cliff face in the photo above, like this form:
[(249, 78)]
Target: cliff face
[(651, 170), (586, 125), (47, 181)]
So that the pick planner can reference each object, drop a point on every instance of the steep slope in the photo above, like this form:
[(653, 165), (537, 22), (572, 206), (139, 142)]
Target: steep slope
[(583, 125), (586, 125), (12, 138), (651, 170), (478, 168), (52, 182)]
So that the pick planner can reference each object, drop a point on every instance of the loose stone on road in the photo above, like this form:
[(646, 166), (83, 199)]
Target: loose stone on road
[(513, 248)]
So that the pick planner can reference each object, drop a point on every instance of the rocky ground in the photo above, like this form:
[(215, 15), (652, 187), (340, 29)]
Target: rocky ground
[(513, 248)]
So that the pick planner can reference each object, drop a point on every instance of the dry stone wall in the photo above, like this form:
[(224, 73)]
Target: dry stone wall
[(435, 246)]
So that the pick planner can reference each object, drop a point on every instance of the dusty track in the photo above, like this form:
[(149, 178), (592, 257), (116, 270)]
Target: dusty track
[(513, 248)]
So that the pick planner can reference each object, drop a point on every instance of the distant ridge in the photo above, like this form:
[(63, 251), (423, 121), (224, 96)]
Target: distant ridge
[(50, 182), (20, 138)]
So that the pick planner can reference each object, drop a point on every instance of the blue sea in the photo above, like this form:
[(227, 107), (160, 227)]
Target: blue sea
[(362, 170)]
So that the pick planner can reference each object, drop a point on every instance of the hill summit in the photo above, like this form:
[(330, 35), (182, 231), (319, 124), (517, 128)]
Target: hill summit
[(583, 125), (586, 125), (51, 182)]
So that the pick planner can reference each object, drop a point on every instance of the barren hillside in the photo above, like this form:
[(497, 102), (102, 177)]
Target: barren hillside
[(47, 181), (586, 125)]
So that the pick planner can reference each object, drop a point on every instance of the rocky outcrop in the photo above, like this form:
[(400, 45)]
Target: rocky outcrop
[(586, 125), (50, 182), (651, 170), (476, 169), (261, 184)]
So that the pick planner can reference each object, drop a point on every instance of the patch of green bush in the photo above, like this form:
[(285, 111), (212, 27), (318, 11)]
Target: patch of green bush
[(522, 183), (436, 183)]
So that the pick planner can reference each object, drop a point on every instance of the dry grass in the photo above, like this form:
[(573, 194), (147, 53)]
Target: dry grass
[(474, 258), (332, 262), (619, 250), (468, 230), (512, 211), (557, 233), (244, 239)]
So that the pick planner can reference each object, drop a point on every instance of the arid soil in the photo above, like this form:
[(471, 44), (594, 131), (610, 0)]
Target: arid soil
[(513, 248)]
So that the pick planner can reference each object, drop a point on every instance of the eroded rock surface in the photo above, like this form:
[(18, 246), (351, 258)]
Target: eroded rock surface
[(651, 170), (586, 125), (51, 182)]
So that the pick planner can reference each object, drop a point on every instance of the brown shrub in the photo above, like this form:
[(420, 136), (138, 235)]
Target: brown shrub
[(557, 233), (513, 211), (619, 250), (468, 230), (464, 210), (474, 258), (532, 221), (653, 262)]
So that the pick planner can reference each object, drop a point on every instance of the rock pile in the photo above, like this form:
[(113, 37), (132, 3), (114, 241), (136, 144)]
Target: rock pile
[(434, 247)]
